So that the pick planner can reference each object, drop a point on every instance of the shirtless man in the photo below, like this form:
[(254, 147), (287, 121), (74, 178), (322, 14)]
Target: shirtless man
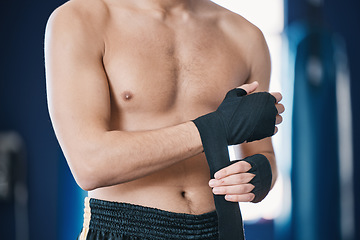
[(125, 78)]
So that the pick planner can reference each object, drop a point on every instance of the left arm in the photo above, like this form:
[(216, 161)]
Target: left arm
[(233, 181), (260, 71)]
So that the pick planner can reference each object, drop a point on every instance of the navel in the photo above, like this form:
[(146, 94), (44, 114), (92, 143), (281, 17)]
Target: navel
[(127, 95), (183, 193)]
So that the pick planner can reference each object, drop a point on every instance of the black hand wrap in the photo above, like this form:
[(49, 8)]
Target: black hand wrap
[(239, 118), (261, 168)]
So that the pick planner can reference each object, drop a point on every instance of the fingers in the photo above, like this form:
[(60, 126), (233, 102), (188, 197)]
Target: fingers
[(280, 108), (240, 191), (276, 130), (248, 197), (250, 87), (232, 180), (277, 96), (235, 189), (239, 167)]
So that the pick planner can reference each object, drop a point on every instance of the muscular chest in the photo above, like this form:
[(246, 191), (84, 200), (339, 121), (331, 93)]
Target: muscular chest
[(154, 68)]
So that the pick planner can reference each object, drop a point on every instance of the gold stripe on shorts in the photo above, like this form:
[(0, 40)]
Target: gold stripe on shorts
[(87, 217)]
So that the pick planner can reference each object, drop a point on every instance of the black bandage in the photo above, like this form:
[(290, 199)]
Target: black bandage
[(261, 168), (239, 118)]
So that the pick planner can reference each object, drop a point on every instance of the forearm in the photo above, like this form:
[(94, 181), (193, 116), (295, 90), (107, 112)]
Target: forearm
[(114, 157)]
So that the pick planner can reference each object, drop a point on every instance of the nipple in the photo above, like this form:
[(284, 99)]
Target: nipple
[(127, 95)]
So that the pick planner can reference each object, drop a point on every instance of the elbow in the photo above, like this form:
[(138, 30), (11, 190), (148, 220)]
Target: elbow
[(87, 178), (86, 172), (92, 179), (92, 159), (93, 167), (86, 184), (92, 173)]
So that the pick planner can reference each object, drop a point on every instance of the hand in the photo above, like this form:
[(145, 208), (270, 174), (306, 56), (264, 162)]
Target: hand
[(240, 117), (233, 182), (251, 87), (280, 108)]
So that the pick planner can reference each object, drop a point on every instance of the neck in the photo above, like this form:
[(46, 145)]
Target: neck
[(165, 6)]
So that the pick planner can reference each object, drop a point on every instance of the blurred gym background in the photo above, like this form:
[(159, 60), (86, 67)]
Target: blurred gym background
[(314, 46)]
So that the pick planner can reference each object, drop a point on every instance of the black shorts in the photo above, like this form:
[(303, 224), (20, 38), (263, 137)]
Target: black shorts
[(123, 221)]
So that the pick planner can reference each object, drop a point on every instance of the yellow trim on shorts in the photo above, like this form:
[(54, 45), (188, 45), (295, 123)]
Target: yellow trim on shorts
[(87, 217)]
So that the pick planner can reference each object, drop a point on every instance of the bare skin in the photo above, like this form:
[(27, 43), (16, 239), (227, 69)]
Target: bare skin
[(125, 78)]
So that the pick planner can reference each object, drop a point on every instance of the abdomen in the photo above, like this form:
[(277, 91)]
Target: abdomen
[(182, 187)]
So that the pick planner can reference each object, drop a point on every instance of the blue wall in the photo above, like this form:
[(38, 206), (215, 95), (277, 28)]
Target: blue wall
[(342, 17), (23, 109)]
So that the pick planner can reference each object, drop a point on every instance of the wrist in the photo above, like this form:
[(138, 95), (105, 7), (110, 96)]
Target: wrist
[(195, 143)]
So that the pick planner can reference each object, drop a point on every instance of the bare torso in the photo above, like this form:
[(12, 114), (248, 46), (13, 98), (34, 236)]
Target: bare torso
[(164, 69)]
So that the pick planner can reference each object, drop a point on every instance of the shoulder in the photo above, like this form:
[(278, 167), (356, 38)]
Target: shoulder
[(79, 19), (251, 44), (228, 20), (239, 28), (247, 37), (88, 10)]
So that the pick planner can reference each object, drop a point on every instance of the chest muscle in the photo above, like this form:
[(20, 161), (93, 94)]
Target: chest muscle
[(154, 69)]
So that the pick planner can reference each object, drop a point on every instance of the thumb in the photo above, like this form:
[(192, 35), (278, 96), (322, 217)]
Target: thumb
[(250, 87)]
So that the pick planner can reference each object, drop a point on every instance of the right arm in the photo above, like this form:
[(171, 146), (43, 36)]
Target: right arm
[(79, 107)]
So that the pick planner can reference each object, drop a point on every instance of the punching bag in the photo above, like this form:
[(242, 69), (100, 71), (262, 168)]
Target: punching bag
[(318, 153), (14, 224)]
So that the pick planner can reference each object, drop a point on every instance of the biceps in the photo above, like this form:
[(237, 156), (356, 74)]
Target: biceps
[(260, 66), (77, 86), (78, 97)]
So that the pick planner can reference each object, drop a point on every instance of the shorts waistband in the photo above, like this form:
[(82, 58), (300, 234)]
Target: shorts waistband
[(149, 223)]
